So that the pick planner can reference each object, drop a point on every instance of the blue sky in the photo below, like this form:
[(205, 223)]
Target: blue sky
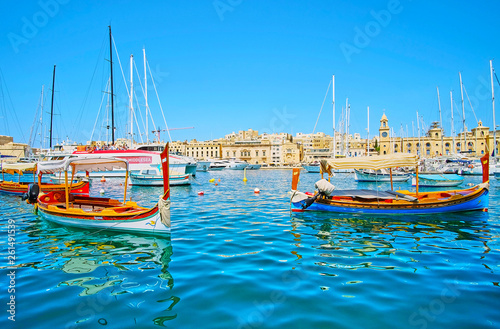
[(227, 65)]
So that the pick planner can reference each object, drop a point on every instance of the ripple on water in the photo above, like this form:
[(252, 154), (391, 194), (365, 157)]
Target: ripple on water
[(237, 259)]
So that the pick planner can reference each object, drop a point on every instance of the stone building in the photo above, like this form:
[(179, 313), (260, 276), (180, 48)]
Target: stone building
[(434, 143)]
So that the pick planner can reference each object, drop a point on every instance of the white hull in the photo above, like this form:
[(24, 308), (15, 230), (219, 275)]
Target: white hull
[(155, 180), (361, 177), (138, 160), (311, 169), (151, 224), (434, 183), (236, 166), (202, 165)]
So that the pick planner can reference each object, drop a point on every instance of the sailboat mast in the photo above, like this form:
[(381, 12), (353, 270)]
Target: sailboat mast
[(493, 103), (111, 81), (333, 105), (52, 105), (146, 94), (368, 131), (131, 100), (440, 122), (41, 119), (463, 113), (452, 126), (419, 142)]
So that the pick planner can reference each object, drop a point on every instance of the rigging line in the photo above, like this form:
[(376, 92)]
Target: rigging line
[(35, 122), (98, 113), (470, 104), (142, 89), (86, 97), (12, 105), (139, 131), (496, 77), (121, 69), (322, 106), (156, 91)]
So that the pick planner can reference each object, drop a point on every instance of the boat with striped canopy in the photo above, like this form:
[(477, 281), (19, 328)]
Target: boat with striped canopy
[(21, 187), (66, 208), (326, 198)]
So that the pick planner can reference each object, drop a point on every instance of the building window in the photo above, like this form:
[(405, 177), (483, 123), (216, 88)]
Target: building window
[(447, 145), (428, 145), (227, 154), (263, 153), (257, 153)]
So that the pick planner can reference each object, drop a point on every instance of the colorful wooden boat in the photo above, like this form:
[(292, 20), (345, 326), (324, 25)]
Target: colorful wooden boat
[(104, 213), (21, 188), (437, 180), (387, 202)]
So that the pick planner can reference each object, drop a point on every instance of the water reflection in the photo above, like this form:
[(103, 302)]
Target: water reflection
[(385, 243), (108, 268)]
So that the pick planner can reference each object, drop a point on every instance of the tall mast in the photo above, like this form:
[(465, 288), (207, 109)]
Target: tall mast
[(131, 101), (452, 126), (368, 131), (440, 122), (111, 81), (52, 105), (41, 120), (493, 103), (463, 113), (333, 105), (146, 94), (419, 142), (346, 126)]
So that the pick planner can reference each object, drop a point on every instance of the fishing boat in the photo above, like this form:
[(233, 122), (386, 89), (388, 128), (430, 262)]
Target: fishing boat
[(437, 180), (67, 208), (312, 167), (21, 187), (381, 175), (202, 165), (154, 177), (387, 202), (253, 166)]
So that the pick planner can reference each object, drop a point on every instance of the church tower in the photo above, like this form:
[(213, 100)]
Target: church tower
[(384, 136)]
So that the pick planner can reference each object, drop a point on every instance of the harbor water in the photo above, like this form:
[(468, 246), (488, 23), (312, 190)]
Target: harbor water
[(240, 259)]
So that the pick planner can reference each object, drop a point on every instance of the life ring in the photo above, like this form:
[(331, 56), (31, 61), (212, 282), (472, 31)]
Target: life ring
[(471, 166)]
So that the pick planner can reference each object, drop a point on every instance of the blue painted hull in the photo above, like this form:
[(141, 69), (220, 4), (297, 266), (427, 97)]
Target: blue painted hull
[(480, 202)]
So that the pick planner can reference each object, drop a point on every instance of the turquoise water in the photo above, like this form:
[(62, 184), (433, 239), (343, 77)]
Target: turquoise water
[(236, 259)]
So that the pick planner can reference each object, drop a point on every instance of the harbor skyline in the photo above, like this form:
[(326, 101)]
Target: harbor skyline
[(224, 66)]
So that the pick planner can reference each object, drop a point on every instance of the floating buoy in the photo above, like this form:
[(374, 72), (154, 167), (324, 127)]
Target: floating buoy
[(219, 180), (256, 190), (213, 180), (101, 191), (216, 184), (103, 179), (245, 174), (201, 193)]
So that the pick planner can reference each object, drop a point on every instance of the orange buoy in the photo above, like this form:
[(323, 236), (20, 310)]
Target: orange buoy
[(216, 184), (219, 180), (201, 193), (256, 190), (103, 179)]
